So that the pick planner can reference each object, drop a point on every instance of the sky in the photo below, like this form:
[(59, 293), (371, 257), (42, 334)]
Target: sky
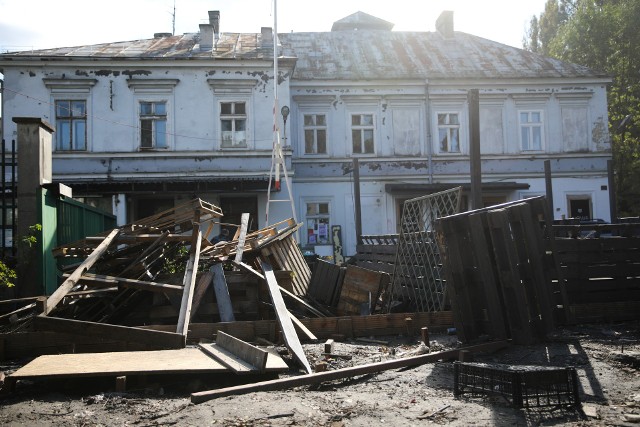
[(41, 24)]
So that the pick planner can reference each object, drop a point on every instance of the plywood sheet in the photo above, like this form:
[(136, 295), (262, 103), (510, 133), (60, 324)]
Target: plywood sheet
[(183, 361)]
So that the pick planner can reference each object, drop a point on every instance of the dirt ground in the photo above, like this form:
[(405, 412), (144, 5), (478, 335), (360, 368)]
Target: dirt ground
[(607, 359)]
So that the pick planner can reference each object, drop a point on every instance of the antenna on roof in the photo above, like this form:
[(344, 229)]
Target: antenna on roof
[(173, 32)]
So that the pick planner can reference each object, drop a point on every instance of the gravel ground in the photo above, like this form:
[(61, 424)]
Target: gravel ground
[(606, 357)]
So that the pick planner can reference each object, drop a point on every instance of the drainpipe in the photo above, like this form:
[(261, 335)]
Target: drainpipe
[(428, 132)]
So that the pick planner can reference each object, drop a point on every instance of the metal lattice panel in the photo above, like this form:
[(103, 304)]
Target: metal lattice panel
[(417, 280)]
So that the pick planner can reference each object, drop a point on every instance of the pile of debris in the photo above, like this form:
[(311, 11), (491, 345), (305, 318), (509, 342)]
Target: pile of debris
[(165, 286)]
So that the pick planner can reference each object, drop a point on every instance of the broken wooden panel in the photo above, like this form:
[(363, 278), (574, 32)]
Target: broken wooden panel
[(377, 252), (157, 339), (326, 283), (360, 290)]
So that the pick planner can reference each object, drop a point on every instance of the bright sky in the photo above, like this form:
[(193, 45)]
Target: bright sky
[(38, 24)]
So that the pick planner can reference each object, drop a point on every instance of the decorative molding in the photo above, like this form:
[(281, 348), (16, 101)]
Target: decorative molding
[(69, 85), (152, 85), (232, 85)]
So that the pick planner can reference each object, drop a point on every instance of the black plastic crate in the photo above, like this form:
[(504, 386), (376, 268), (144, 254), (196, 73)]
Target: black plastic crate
[(523, 386)]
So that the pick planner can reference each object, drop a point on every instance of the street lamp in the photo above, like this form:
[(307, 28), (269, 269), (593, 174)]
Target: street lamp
[(285, 113)]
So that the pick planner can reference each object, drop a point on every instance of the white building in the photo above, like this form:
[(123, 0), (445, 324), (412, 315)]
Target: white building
[(144, 124)]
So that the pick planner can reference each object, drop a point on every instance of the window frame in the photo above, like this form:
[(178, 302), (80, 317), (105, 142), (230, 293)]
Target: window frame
[(84, 118), (234, 117), (448, 127), (315, 217), (315, 128), (154, 118), (531, 126), (362, 128)]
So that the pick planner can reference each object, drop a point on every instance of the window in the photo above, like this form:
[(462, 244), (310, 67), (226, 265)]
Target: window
[(153, 125), (318, 223), (531, 130), (71, 125), (362, 133), (315, 134), (449, 132), (233, 122)]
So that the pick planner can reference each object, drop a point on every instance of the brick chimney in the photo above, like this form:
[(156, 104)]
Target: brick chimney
[(444, 24), (210, 33)]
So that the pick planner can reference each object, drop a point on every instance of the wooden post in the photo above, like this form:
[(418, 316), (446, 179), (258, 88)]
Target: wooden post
[(549, 187), (121, 384), (474, 148), (613, 207), (189, 281), (356, 196), (424, 331)]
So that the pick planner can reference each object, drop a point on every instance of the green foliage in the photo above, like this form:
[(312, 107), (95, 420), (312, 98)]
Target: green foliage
[(603, 36), (175, 262), (32, 238), (7, 275)]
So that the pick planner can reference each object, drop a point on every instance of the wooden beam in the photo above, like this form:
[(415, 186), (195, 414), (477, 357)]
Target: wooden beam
[(157, 339), (371, 368), (93, 279), (288, 331), (72, 280), (201, 289), (189, 281), (222, 294), (302, 327), (244, 224)]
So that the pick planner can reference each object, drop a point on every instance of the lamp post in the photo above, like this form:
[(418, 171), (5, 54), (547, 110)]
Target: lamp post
[(285, 113)]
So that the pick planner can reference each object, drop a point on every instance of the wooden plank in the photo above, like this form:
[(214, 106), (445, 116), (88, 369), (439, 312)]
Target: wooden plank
[(72, 280), (513, 291), (302, 328), (222, 294), (478, 229), (253, 355), (288, 331), (371, 368), (228, 359), (206, 278), (189, 281), (158, 339), (93, 279), (186, 360), (244, 224)]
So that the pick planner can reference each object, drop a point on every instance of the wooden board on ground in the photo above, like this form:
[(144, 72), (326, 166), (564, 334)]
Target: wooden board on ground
[(245, 351), (288, 331), (183, 361)]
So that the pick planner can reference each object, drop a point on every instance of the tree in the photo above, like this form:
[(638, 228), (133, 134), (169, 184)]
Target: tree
[(603, 35)]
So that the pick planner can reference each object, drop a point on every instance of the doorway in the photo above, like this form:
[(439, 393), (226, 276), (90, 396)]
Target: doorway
[(580, 207), (234, 207)]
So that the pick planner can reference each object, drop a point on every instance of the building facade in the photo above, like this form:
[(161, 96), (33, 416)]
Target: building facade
[(141, 125)]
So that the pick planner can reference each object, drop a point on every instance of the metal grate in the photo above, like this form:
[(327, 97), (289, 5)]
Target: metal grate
[(417, 277), (523, 386)]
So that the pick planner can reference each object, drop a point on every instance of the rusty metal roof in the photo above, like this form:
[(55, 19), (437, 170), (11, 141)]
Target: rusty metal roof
[(356, 55), (186, 46), (346, 55)]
